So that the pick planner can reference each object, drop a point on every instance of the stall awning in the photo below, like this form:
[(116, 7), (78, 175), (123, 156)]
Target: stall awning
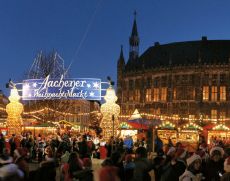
[(221, 127), (138, 126), (191, 126)]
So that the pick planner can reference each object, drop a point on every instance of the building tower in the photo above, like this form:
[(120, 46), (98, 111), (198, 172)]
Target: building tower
[(120, 72), (120, 67), (134, 41)]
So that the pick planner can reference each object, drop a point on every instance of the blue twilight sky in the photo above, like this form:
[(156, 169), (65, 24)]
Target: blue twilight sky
[(89, 33)]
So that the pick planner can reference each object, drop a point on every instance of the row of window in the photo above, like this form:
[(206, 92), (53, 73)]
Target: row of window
[(209, 93), (214, 93), (148, 82)]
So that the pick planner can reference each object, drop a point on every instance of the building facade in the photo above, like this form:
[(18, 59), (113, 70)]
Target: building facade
[(179, 81)]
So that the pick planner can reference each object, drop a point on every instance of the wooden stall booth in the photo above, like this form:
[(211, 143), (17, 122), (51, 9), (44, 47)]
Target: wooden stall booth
[(219, 132), (188, 135), (167, 131), (66, 126), (126, 129)]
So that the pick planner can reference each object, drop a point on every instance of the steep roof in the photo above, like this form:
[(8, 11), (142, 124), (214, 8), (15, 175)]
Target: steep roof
[(134, 29), (183, 53)]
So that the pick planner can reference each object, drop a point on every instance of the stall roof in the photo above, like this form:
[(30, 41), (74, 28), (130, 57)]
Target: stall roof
[(221, 127), (191, 126), (45, 125), (167, 125)]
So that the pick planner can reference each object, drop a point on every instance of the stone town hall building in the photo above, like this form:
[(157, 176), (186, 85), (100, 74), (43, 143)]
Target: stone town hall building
[(178, 81)]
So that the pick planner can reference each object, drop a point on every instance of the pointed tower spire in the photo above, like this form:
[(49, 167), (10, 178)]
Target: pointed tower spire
[(134, 30), (134, 40), (120, 68), (121, 53)]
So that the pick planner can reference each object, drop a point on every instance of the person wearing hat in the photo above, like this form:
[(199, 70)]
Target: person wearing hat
[(226, 175), (215, 164), (193, 171)]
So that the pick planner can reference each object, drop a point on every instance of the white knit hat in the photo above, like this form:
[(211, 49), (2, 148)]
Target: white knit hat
[(227, 165), (193, 158), (217, 148)]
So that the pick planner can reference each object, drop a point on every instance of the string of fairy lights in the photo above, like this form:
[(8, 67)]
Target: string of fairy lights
[(150, 116), (48, 109)]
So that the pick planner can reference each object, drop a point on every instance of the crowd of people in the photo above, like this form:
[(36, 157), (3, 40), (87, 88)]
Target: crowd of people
[(123, 159)]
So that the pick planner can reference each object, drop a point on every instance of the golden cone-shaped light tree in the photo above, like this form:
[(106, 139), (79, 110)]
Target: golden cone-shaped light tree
[(14, 110), (110, 111)]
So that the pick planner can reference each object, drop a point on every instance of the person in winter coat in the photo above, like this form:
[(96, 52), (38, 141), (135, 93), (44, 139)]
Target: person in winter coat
[(215, 164), (2, 143), (226, 175), (142, 166), (47, 170), (83, 147), (176, 167), (128, 167), (193, 172), (108, 172), (20, 160), (8, 170), (73, 166), (13, 145)]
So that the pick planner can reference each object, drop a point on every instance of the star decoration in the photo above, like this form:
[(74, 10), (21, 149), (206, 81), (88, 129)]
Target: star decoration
[(96, 85), (35, 84), (91, 94), (88, 85)]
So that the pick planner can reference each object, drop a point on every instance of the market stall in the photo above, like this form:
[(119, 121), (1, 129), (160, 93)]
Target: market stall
[(68, 126), (43, 129), (126, 129), (219, 132), (188, 135), (167, 131)]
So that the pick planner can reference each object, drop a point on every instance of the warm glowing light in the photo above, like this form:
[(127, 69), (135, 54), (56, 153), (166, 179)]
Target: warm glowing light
[(192, 126), (14, 110), (108, 109), (221, 127), (167, 125)]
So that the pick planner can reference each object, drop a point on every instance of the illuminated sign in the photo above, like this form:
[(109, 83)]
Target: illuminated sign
[(49, 88)]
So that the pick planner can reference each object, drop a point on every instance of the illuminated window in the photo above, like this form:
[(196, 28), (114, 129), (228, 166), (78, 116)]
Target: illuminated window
[(194, 93), (222, 117), (130, 95), (163, 93), (214, 93), (213, 115), (222, 93), (148, 95), (205, 93), (156, 94), (137, 95), (174, 93), (191, 117)]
